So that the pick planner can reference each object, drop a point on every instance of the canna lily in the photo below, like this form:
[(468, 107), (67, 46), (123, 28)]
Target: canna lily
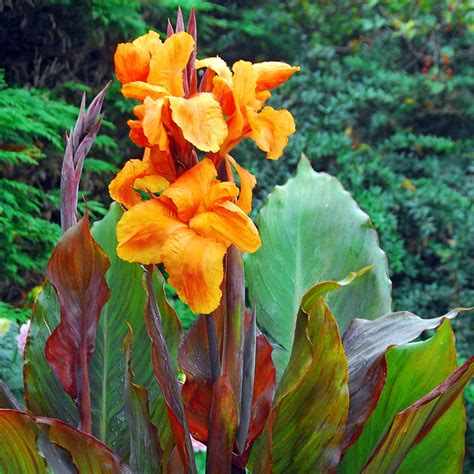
[(242, 95), (188, 228), (153, 72)]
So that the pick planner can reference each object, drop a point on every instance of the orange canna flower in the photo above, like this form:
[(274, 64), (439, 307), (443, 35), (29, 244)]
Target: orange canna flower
[(242, 95), (151, 71), (188, 228)]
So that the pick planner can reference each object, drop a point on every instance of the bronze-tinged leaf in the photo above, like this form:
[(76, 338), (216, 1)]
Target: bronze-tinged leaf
[(145, 450), (413, 424), (307, 421), (166, 377), (21, 436), (77, 270), (365, 343), (222, 427)]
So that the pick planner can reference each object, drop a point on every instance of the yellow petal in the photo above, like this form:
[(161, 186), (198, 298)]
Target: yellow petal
[(121, 188), (148, 42), (201, 120), (270, 130), (227, 223), (195, 268), (216, 64), (272, 73), (189, 190), (247, 183), (143, 229), (168, 62), (140, 90), (152, 122), (151, 183)]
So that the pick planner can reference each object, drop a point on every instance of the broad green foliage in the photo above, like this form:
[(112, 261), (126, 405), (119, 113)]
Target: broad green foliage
[(413, 370), (312, 230)]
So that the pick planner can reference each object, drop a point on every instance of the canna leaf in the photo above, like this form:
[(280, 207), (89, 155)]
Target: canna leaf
[(306, 424), (21, 437), (145, 449), (43, 393), (77, 270), (222, 427), (413, 424), (312, 230), (365, 343), (414, 370)]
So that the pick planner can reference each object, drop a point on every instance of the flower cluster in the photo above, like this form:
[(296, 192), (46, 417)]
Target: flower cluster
[(183, 208)]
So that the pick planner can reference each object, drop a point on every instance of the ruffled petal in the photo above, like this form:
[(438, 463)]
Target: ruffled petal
[(247, 183), (195, 268), (143, 229), (219, 193), (121, 188), (152, 122), (244, 83), (132, 60), (189, 190), (161, 162), (201, 120), (228, 224), (272, 73), (168, 62), (136, 133), (270, 130), (152, 183), (216, 64), (140, 90)]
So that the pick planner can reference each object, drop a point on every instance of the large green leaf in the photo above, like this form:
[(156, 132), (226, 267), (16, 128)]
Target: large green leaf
[(21, 436), (312, 230), (45, 397), (413, 370), (307, 421)]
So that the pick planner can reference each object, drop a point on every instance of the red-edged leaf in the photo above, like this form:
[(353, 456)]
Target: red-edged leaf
[(76, 270), (410, 426), (145, 449), (223, 427), (166, 377), (306, 424), (365, 343), (21, 436)]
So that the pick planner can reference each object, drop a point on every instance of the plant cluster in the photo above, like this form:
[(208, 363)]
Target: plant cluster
[(318, 375)]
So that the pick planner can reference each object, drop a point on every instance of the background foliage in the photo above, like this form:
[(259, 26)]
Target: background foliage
[(384, 101)]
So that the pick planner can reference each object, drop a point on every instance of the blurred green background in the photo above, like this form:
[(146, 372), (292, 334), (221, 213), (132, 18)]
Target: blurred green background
[(384, 101)]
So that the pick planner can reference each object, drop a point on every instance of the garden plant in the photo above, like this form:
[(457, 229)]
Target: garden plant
[(294, 363)]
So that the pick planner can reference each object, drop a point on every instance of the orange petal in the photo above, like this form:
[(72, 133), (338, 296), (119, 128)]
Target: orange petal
[(228, 224), (270, 130), (161, 162), (272, 73), (247, 183), (201, 120), (168, 62), (132, 60), (244, 83), (152, 122), (121, 188), (216, 64), (151, 183), (189, 190), (143, 229), (195, 267), (136, 133), (219, 193), (140, 90)]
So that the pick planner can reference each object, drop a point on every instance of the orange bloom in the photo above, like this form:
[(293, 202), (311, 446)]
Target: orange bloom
[(152, 71), (188, 228), (242, 95)]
